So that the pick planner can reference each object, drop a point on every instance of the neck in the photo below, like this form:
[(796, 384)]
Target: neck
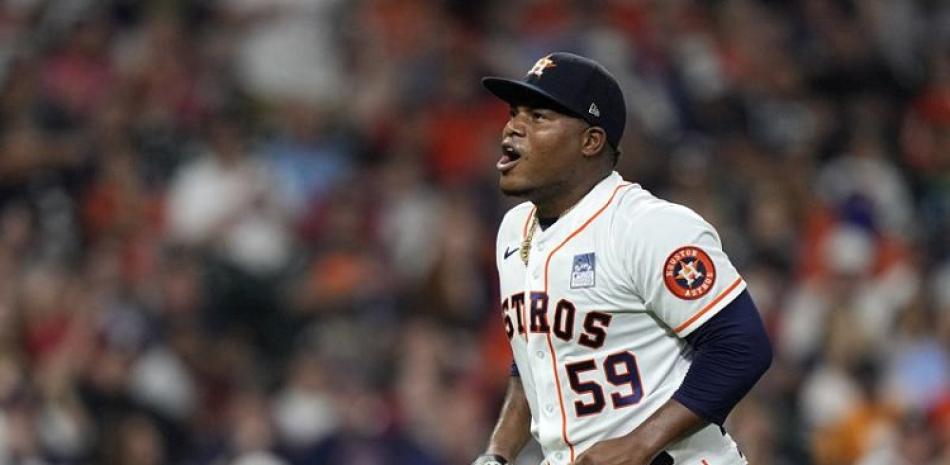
[(564, 199)]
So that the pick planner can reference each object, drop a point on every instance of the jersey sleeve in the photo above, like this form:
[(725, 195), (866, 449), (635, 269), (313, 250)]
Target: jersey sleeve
[(679, 268)]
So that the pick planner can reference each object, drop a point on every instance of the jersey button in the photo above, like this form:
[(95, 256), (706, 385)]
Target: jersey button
[(536, 273), (559, 455), (549, 408), (540, 354)]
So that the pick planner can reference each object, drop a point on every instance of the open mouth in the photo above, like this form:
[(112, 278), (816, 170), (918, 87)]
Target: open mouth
[(509, 158)]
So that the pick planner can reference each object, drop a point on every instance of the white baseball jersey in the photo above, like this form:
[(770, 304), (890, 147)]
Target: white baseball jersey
[(597, 318)]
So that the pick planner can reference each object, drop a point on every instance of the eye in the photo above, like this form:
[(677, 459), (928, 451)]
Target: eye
[(538, 115)]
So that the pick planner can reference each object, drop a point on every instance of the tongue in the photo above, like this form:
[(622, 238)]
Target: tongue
[(504, 160)]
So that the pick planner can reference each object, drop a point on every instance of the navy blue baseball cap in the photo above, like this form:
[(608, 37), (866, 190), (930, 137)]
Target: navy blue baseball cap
[(570, 84)]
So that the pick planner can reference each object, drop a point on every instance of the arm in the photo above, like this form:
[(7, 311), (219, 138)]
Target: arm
[(732, 352), (669, 423), (513, 429)]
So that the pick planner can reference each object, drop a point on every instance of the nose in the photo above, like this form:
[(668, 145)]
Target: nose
[(514, 127)]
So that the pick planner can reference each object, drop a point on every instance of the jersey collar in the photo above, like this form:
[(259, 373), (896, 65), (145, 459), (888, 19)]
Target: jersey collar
[(583, 210)]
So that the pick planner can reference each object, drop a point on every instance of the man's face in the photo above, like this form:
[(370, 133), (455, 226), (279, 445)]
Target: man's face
[(540, 150)]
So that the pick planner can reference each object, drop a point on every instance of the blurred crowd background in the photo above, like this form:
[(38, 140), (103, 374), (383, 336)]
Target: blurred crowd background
[(260, 232)]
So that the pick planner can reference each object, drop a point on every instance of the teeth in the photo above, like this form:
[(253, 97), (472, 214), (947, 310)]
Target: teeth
[(509, 158)]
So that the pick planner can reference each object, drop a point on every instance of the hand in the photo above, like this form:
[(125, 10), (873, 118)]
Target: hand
[(617, 451)]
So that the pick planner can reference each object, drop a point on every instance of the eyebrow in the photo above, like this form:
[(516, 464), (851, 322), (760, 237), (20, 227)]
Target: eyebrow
[(549, 108)]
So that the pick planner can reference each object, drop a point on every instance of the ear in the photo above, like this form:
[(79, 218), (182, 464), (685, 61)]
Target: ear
[(593, 142)]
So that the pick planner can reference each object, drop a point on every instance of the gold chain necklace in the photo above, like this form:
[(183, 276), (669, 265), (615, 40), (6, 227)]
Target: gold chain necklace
[(525, 251), (526, 243)]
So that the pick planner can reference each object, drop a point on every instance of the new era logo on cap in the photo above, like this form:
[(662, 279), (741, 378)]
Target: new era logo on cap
[(570, 84)]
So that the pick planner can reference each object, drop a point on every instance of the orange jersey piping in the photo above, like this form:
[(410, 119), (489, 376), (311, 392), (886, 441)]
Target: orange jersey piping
[(709, 306), (557, 377)]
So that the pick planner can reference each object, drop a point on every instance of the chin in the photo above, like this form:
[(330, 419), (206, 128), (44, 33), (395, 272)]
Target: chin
[(522, 193), (512, 188)]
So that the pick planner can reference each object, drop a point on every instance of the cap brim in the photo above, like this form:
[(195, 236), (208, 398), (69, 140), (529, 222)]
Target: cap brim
[(522, 93)]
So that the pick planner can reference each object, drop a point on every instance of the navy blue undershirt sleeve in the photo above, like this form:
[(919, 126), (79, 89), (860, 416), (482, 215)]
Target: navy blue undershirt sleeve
[(731, 352), (514, 369)]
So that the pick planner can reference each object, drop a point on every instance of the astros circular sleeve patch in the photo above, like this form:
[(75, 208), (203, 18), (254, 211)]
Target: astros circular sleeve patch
[(689, 273)]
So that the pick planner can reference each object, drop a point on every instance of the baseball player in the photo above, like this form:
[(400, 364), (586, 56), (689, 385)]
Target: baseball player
[(633, 335)]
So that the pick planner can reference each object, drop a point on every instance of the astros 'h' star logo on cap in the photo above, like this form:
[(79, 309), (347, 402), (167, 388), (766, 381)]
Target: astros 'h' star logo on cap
[(541, 65), (689, 273)]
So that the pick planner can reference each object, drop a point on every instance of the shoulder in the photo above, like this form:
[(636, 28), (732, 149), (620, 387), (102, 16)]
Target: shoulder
[(640, 215), (515, 221)]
